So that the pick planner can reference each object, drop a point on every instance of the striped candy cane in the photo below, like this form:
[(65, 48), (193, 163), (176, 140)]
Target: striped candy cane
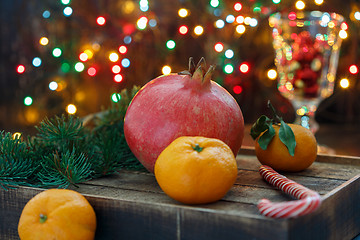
[(307, 203)]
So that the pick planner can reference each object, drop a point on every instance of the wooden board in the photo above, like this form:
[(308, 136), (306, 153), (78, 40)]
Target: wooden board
[(130, 205)]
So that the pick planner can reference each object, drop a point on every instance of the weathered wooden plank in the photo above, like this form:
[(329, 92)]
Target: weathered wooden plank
[(321, 168), (337, 218), (131, 205)]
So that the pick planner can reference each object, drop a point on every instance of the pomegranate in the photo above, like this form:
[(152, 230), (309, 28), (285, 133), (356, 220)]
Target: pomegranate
[(184, 104)]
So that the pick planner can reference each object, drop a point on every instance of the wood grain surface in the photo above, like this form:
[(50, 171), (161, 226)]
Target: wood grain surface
[(130, 205)]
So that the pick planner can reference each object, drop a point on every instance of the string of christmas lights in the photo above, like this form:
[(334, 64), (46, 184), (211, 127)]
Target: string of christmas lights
[(113, 41)]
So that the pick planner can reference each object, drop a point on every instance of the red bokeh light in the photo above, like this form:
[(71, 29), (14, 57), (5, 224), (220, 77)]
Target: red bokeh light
[(237, 89), (244, 67), (91, 71), (353, 69), (101, 21), (20, 69)]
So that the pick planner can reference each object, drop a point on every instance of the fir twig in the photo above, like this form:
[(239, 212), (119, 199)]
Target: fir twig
[(67, 152), (16, 165), (61, 171)]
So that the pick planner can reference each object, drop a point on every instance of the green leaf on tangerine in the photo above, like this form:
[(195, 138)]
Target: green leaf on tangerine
[(287, 137), (266, 138), (261, 125)]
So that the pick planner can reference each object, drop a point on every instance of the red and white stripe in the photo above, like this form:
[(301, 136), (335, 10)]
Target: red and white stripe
[(308, 201)]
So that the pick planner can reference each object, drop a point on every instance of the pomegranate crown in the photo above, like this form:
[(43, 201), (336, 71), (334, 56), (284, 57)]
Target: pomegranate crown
[(199, 71)]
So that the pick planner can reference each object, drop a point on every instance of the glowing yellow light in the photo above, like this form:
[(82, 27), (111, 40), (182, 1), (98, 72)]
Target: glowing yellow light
[(319, 2), (343, 34), (331, 24), (114, 57), (240, 29), (288, 86), (300, 111), (344, 83), (247, 20), (272, 74), (71, 109), (166, 69), (300, 5), (330, 77), (31, 115), (44, 41), (128, 7), (16, 135), (183, 12), (142, 23), (89, 53), (96, 46), (198, 30)]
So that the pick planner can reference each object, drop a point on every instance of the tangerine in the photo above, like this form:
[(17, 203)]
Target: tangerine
[(196, 170), (277, 155), (57, 214)]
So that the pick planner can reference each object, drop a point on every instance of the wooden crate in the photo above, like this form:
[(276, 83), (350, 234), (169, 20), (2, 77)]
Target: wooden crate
[(130, 205)]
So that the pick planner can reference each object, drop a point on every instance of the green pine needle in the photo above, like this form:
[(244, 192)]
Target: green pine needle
[(16, 165), (69, 150)]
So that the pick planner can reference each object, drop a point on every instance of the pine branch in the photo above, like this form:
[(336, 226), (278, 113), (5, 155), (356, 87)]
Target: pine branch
[(67, 152), (61, 171), (16, 165)]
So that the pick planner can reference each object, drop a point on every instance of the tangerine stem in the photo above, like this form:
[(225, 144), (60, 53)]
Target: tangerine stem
[(43, 218), (197, 148)]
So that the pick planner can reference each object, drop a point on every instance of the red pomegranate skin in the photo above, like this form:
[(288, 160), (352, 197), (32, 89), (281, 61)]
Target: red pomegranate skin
[(175, 105)]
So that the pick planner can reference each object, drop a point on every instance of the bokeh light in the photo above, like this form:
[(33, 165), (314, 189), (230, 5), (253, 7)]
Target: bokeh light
[(53, 85), (344, 83), (79, 67), (229, 53), (68, 11), (101, 21), (36, 62), (244, 68), (170, 44), (44, 41), (166, 70), (237, 6), (91, 71), (123, 49), (228, 68), (219, 47), (183, 29), (83, 57), (116, 69), (118, 78), (183, 12), (113, 57), (300, 5), (237, 89), (71, 109), (115, 97), (198, 30), (272, 74), (56, 52), (142, 23), (28, 101), (353, 69), (125, 63), (219, 23), (20, 69)]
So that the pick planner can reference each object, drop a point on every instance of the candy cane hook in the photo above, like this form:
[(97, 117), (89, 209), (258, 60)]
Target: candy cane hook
[(308, 201)]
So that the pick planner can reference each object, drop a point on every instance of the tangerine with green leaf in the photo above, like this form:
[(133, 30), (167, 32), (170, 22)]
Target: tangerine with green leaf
[(284, 147), (277, 154)]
